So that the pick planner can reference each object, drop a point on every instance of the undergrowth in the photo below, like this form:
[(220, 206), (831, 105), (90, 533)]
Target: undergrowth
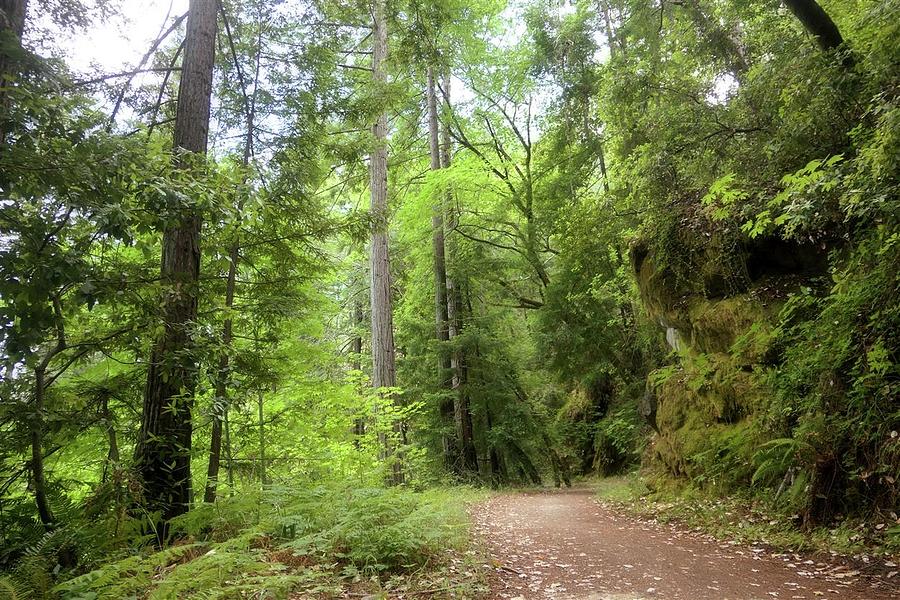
[(746, 519), (314, 541)]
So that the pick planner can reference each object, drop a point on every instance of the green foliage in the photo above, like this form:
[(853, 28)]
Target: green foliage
[(285, 540), (617, 441)]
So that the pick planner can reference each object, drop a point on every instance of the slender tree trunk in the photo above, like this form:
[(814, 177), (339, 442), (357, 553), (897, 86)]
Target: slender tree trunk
[(220, 405), (359, 426), (229, 457), (262, 439), (37, 424), (463, 410), (441, 310), (220, 410), (112, 455), (37, 449), (462, 415), (613, 41), (163, 451), (383, 355), (496, 474), (437, 237), (817, 23)]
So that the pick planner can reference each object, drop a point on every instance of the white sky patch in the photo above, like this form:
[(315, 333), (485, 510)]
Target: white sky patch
[(724, 87), (119, 44)]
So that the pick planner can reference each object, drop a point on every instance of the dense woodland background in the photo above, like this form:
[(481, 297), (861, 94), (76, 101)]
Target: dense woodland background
[(407, 244)]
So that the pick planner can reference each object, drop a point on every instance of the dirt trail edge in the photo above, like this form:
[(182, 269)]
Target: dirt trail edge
[(564, 545)]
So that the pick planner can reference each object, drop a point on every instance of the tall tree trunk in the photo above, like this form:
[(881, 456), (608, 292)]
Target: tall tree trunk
[(817, 23), (441, 310), (229, 457), (37, 449), (383, 355), (163, 451), (462, 415)]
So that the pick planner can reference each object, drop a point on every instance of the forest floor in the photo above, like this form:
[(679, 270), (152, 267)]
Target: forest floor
[(565, 545)]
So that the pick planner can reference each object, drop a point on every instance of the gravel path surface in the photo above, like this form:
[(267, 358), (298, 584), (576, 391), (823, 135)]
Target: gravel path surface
[(564, 545)]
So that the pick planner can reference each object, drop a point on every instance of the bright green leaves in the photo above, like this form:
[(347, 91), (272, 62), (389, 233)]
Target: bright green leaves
[(722, 197), (805, 202)]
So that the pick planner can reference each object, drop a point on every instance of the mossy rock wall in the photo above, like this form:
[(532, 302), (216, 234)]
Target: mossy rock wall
[(718, 317)]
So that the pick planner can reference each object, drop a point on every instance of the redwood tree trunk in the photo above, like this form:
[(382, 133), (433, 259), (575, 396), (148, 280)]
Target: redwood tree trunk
[(383, 355), (163, 451)]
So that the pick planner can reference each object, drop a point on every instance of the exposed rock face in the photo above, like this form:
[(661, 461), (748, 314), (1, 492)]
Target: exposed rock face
[(673, 338), (716, 300)]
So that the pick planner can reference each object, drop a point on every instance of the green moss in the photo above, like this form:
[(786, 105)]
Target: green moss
[(578, 405), (704, 415), (716, 324)]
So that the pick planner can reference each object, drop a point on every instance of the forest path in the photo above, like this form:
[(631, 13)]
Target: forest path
[(565, 545)]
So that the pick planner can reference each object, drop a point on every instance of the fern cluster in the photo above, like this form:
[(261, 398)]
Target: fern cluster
[(263, 543)]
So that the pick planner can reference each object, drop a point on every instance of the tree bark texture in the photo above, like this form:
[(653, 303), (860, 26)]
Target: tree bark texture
[(37, 450), (383, 358), (163, 451), (383, 355)]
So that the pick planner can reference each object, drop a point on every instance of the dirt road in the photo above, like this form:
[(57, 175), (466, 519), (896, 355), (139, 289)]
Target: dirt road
[(564, 545)]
